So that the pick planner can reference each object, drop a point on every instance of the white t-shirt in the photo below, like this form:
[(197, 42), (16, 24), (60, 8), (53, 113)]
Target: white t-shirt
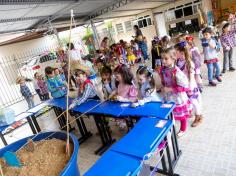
[(74, 55), (35, 83)]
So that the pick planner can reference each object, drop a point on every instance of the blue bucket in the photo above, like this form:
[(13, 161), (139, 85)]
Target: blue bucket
[(71, 169)]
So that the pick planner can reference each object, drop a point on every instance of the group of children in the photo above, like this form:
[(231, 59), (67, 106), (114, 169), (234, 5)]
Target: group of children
[(178, 65)]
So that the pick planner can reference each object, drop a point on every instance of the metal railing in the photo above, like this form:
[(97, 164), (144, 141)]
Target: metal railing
[(10, 69)]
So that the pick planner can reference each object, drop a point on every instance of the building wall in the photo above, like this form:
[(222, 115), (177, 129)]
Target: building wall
[(149, 32)]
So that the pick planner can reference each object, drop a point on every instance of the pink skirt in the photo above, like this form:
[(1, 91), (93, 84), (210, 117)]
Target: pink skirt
[(183, 111)]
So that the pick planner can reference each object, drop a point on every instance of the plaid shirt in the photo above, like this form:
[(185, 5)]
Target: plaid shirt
[(89, 92), (228, 40), (25, 91), (43, 87)]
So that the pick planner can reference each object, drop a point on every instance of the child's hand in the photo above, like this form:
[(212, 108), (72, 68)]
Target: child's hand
[(119, 98), (72, 105), (134, 105), (106, 81)]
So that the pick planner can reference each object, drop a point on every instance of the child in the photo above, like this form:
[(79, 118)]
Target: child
[(147, 87), (126, 91), (43, 88), (86, 89), (156, 54), (36, 87), (196, 58), (25, 91), (55, 86), (136, 50), (228, 41), (211, 56), (175, 87), (189, 70), (59, 75), (165, 42), (108, 81), (130, 55)]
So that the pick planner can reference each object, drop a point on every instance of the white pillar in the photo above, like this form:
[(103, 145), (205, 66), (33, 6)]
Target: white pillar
[(97, 42)]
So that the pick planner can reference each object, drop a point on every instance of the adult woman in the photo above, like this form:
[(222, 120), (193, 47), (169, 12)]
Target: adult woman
[(141, 42), (105, 44)]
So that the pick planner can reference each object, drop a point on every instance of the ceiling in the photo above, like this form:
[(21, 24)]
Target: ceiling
[(33, 16)]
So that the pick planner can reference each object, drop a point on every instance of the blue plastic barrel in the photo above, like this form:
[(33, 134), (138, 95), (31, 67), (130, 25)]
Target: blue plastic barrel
[(71, 169)]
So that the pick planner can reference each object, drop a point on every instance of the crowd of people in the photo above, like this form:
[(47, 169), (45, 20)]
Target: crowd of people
[(177, 62)]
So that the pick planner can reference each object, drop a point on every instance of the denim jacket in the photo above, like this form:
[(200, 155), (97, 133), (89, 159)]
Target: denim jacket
[(56, 87)]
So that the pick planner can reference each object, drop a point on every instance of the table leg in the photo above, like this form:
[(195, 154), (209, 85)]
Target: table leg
[(31, 125), (85, 134), (62, 119), (105, 135), (175, 146), (36, 123), (3, 139)]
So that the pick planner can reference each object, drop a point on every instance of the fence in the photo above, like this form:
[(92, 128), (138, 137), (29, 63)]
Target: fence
[(10, 68)]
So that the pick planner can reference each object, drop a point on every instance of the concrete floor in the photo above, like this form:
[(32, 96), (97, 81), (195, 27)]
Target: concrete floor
[(208, 150)]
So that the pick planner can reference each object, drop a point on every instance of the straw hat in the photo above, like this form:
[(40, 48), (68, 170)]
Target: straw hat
[(19, 79)]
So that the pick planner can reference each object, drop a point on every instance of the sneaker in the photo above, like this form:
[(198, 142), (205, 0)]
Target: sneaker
[(231, 69), (223, 71), (181, 133), (212, 83), (219, 79)]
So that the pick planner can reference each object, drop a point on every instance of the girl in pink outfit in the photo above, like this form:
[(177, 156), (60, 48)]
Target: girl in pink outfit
[(175, 87), (126, 90), (183, 51), (197, 59)]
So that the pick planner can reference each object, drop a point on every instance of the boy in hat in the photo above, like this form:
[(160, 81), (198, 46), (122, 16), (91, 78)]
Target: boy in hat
[(228, 41), (25, 91), (86, 88)]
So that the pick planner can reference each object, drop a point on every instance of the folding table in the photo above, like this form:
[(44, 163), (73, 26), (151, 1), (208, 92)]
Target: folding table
[(37, 111), (21, 116), (115, 164)]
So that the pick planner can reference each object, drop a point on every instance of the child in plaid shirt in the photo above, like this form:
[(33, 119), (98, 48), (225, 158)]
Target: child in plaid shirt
[(25, 91), (228, 41), (86, 89), (43, 88)]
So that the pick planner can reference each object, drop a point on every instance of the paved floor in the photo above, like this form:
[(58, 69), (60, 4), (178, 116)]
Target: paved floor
[(208, 150)]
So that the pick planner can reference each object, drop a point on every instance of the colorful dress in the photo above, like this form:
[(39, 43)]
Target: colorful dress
[(130, 55), (196, 57), (174, 78), (127, 91), (194, 93)]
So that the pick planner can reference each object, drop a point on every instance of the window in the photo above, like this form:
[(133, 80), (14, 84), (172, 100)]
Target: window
[(144, 21), (119, 28), (128, 26), (188, 11), (105, 31), (195, 9), (179, 13)]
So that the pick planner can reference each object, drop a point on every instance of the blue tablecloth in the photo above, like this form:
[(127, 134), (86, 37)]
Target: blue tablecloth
[(143, 138), (114, 164), (117, 109), (58, 102), (18, 117), (151, 109)]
